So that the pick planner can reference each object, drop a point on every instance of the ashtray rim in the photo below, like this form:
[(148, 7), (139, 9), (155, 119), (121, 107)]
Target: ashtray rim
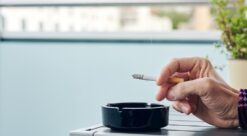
[(146, 106)]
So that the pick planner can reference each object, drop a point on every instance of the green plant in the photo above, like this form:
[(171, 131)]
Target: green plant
[(231, 18)]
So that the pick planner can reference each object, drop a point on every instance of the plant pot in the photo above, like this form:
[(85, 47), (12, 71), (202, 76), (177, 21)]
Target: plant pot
[(238, 73)]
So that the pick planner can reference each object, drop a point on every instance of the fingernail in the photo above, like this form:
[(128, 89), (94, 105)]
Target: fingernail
[(170, 96), (185, 109)]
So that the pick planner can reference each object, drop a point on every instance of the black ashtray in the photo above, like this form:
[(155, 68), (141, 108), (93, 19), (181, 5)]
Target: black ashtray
[(135, 116)]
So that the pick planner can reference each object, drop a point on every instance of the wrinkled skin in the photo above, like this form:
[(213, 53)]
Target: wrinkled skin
[(203, 94)]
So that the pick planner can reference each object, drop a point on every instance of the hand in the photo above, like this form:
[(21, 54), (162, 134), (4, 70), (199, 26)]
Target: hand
[(204, 94)]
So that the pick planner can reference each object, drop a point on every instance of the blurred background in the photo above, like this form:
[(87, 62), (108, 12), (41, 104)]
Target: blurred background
[(154, 18), (60, 60)]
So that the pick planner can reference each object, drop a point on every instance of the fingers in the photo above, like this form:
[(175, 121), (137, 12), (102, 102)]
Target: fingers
[(182, 65), (162, 93), (177, 65), (182, 106), (199, 87), (185, 76)]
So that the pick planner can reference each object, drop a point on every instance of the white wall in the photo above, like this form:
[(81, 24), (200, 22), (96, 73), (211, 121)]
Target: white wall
[(48, 89)]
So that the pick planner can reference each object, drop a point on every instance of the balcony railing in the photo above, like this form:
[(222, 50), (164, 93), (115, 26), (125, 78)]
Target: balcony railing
[(97, 2)]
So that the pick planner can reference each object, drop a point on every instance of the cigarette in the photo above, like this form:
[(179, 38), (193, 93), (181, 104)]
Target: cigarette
[(173, 80)]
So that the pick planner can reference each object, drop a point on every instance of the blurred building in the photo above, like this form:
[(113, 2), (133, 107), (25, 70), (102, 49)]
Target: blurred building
[(142, 19), (201, 19), (82, 19)]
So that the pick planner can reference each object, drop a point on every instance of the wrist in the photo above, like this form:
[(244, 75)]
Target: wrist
[(236, 101), (233, 113)]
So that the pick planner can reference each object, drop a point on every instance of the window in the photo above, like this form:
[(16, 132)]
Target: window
[(104, 16)]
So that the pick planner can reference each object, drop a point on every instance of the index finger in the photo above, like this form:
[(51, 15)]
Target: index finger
[(176, 65)]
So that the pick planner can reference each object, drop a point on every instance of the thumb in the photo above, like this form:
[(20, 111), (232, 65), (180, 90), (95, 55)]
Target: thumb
[(199, 87)]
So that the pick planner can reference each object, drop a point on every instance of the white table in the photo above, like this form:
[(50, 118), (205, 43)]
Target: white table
[(179, 125)]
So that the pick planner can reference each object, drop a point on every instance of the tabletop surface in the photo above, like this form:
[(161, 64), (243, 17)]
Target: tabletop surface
[(179, 124)]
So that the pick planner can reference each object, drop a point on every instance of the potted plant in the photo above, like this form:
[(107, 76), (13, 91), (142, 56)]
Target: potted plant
[(231, 19)]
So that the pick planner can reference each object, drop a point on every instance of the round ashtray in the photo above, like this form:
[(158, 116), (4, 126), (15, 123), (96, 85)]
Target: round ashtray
[(135, 116)]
